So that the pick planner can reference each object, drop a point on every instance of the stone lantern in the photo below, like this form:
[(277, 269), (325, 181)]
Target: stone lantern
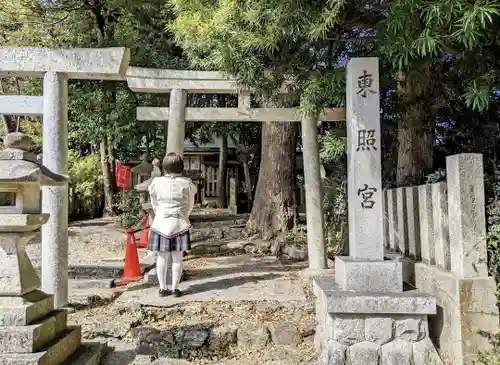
[(143, 189), (143, 170), (31, 332)]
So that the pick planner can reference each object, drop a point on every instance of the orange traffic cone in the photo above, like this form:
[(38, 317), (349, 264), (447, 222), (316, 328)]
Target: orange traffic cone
[(132, 268), (143, 241)]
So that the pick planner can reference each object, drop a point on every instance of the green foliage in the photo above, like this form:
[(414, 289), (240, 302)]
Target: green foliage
[(33, 128), (85, 180), (128, 208), (332, 148), (333, 156), (459, 32), (491, 357), (297, 236)]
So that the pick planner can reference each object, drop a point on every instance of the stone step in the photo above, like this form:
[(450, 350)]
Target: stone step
[(87, 354), (54, 354), (32, 338), (99, 271), (21, 311)]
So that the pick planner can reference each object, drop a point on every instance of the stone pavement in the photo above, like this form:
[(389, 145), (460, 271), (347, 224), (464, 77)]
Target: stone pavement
[(231, 278)]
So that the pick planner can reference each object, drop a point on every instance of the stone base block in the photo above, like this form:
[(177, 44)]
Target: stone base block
[(368, 276), (22, 311), (410, 302), (397, 352), (32, 338), (54, 353), (372, 328)]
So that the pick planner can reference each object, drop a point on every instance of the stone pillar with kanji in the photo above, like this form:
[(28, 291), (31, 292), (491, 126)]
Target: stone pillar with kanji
[(364, 316)]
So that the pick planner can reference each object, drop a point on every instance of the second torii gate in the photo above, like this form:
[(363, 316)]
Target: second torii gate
[(178, 83)]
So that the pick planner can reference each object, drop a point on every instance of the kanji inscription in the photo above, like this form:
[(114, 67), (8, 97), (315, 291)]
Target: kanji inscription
[(365, 82), (366, 195), (366, 140)]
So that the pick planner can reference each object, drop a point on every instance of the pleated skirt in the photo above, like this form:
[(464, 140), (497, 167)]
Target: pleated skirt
[(166, 243)]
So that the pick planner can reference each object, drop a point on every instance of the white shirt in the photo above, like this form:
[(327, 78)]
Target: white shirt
[(172, 199)]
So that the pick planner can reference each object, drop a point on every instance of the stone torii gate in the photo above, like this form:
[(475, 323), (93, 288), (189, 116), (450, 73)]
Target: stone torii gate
[(56, 67), (178, 83)]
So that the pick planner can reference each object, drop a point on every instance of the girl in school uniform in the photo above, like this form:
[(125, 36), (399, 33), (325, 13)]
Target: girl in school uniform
[(172, 199)]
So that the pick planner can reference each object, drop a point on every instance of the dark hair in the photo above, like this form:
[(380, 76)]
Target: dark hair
[(173, 163)]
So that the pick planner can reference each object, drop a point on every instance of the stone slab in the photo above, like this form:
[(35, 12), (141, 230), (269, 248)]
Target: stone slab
[(22, 311), (21, 105), (156, 114), (55, 353), (21, 222), (152, 80), (32, 338), (337, 300), (87, 354), (229, 278), (368, 276), (77, 63)]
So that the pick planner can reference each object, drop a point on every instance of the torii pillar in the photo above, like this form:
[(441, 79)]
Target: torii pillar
[(56, 67)]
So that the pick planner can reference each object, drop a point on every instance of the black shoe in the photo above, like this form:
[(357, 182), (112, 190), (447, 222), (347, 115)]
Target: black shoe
[(177, 293), (164, 292)]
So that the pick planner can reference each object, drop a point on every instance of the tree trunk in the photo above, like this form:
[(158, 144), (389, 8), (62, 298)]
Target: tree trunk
[(10, 124), (275, 206), (248, 180), (222, 174), (255, 165), (111, 165), (106, 179), (415, 131), (415, 147)]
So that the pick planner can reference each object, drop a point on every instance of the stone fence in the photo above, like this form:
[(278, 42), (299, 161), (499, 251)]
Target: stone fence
[(439, 232)]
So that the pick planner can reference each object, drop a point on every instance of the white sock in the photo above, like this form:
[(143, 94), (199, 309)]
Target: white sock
[(161, 269), (176, 268)]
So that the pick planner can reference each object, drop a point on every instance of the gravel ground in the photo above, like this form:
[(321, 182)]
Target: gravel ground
[(99, 241), (89, 242)]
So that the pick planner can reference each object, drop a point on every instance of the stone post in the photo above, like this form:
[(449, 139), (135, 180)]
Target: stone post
[(55, 198), (233, 196), (176, 122), (365, 269), (467, 219), (364, 169), (314, 195)]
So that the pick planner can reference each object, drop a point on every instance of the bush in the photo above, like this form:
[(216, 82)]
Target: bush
[(297, 236), (335, 212), (333, 157), (128, 208), (491, 357), (85, 180), (492, 185)]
